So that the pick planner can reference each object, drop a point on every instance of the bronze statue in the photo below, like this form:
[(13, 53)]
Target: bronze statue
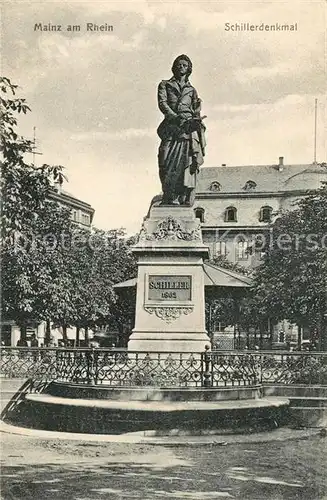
[(181, 132)]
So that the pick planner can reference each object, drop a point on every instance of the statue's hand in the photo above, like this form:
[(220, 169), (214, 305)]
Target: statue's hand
[(171, 115), (194, 168)]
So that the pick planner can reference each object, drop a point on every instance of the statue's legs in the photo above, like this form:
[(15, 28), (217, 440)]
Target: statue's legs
[(177, 172), (167, 174)]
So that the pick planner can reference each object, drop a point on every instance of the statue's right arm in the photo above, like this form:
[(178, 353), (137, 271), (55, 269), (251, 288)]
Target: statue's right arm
[(163, 101)]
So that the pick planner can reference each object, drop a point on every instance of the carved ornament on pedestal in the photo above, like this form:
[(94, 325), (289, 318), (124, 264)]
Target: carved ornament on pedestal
[(170, 229), (168, 314)]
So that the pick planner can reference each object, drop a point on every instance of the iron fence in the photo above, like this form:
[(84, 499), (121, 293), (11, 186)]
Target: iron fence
[(120, 367)]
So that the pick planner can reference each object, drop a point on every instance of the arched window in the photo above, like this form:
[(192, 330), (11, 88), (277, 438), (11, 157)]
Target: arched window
[(265, 214), (215, 186), (250, 185), (221, 248), (199, 213), (242, 250), (231, 214)]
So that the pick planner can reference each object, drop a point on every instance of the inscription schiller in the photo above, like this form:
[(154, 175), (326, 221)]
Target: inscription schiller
[(176, 288)]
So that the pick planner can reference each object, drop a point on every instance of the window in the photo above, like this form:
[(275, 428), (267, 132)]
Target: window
[(242, 250), (215, 186), (265, 214), (199, 213), (221, 248), (250, 185), (74, 215), (231, 214), (85, 219)]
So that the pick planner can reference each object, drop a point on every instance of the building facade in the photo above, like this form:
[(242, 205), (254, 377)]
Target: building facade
[(236, 204), (81, 212)]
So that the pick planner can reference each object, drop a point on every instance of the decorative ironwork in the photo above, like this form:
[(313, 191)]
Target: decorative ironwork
[(24, 362), (170, 229), (169, 314), (233, 369), (145, 369), (294, 368), (120, 367), (31, 385)]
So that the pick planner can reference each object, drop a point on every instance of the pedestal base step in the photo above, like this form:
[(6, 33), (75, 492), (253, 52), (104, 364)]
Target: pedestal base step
[(44, 411), (155, 394)]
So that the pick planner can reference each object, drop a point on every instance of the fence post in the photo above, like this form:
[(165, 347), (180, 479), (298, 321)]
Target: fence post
[(58, 364), (90, 366), (207, 372), (95, 366), (261, 358)]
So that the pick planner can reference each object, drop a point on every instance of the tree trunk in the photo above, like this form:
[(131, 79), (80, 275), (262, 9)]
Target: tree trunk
[(64, 334), (299, 337), (23, 332), (323, 333), (261, 330), (77, 336), (271, 332), (47, 336)]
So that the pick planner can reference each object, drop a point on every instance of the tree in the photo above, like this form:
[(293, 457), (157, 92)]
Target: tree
[(104, 260), (291, 283), (225, 309), (24, 187), (222, 261), (82, 294), (51, 269), (26, 213)]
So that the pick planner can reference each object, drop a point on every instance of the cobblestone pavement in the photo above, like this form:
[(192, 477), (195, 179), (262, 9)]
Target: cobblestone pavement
[(34, 468)]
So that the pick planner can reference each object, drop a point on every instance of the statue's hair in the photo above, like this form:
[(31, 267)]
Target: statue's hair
[(184, 58)]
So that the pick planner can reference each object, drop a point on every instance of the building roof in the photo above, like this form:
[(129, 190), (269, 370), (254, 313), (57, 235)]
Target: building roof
[(219, 276), (268, 178), (214, 276), (70, 200)]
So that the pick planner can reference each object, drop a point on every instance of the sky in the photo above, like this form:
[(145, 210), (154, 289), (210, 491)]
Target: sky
[(93, 94)]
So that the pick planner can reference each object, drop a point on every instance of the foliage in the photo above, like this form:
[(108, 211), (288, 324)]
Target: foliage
[(102, 259), (222, 261), (24, 187), (291, 283), (313, 371), (52, 269), (26, 215), (229, 309), (30, 267)]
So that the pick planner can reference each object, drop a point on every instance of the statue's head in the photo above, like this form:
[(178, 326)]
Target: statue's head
[(176, 65)]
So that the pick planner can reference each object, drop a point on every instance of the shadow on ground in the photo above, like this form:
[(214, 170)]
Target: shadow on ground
[(275, 471)]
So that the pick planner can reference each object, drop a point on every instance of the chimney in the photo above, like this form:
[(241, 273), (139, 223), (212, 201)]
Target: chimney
[(281, 163)]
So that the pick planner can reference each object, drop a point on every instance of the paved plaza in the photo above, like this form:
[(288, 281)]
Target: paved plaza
[(233, 467)]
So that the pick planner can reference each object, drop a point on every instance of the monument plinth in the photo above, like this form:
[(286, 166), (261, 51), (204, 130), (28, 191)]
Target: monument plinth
[(170, 306)]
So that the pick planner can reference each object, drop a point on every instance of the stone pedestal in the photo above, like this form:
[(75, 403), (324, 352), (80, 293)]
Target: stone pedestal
[(170, 306)]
